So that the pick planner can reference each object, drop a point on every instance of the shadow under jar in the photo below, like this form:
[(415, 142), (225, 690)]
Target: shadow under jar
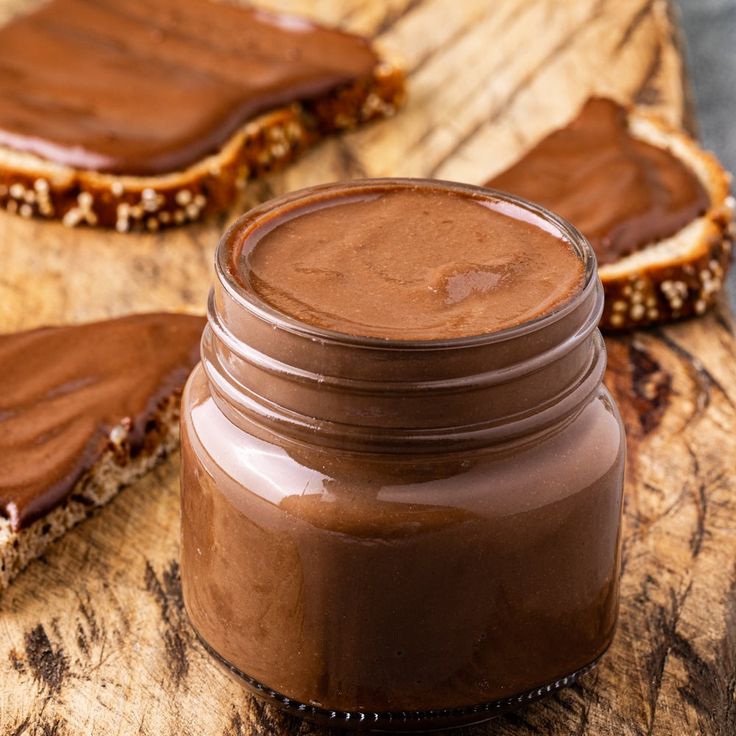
[(396, 532)]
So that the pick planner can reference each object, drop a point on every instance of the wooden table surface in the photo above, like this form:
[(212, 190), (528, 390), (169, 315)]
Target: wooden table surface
[(93, 637)]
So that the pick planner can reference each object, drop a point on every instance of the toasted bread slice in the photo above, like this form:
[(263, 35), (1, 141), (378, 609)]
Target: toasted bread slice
[(114, 470), (84, 411), (682, 275), (34, 187)]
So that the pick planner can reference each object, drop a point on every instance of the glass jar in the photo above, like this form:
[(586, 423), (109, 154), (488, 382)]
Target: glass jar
[(397, 534)]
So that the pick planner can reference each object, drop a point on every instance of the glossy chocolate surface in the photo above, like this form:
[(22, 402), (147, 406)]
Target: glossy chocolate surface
[(139, 87), (409, 264), (64, 389), (620, 192)]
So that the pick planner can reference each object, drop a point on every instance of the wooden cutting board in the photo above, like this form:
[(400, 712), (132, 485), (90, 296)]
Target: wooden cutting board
[(93, 637)]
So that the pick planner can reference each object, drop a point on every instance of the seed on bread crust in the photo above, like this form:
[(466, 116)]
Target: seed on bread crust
[(682, 275), (126, 203), (183, 197)]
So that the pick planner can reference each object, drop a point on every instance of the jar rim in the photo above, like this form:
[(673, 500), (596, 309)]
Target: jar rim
[(250, 221)]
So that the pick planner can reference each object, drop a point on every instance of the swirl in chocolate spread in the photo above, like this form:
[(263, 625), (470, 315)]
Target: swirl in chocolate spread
[(620, 192), (63, 389), (138, 87)]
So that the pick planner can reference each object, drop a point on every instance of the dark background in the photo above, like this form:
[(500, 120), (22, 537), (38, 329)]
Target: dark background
[(710, 35)]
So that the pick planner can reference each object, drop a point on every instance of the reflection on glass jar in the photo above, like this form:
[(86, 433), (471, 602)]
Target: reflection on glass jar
[(402, 534)]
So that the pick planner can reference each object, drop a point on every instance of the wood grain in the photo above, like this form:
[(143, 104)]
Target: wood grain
[(93, 637)]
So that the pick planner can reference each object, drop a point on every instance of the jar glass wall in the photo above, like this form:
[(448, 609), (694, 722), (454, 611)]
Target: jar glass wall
[(399, 534)]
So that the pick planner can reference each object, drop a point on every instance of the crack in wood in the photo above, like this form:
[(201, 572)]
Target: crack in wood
[(648, 93), (662, 622), (711, 682), (705, 379), (350, 165), (701, 504), (455, 36), (20, 728), (639, 17), (524, 82), (167, 593), (51, 728), (391, 19), (236, 726), (651, 387), (48, 663), (87, 629), (582, 725), (724, 320)]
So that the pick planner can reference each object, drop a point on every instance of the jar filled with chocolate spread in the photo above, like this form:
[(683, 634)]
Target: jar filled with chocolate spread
[(401, 473)]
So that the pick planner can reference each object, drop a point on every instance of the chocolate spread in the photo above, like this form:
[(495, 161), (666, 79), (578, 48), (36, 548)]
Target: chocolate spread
[(140, 87), (410, 264), (401, 534), (620, 192), (63, 389)]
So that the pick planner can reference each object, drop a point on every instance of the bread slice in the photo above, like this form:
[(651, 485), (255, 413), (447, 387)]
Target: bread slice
[(115, 469), (34, 187), (679, 272), (84, 411), (682, 275)]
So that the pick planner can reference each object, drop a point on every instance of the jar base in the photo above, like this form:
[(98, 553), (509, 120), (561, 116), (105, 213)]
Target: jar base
[(396, 721)]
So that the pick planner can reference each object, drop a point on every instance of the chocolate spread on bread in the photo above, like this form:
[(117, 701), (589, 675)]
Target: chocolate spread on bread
[(467, 266), (145, 88), (621, 193), (63, 390)]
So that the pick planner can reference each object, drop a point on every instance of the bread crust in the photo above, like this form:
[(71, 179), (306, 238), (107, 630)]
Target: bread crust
[(34, 187), (116, 468), (680, 276)]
